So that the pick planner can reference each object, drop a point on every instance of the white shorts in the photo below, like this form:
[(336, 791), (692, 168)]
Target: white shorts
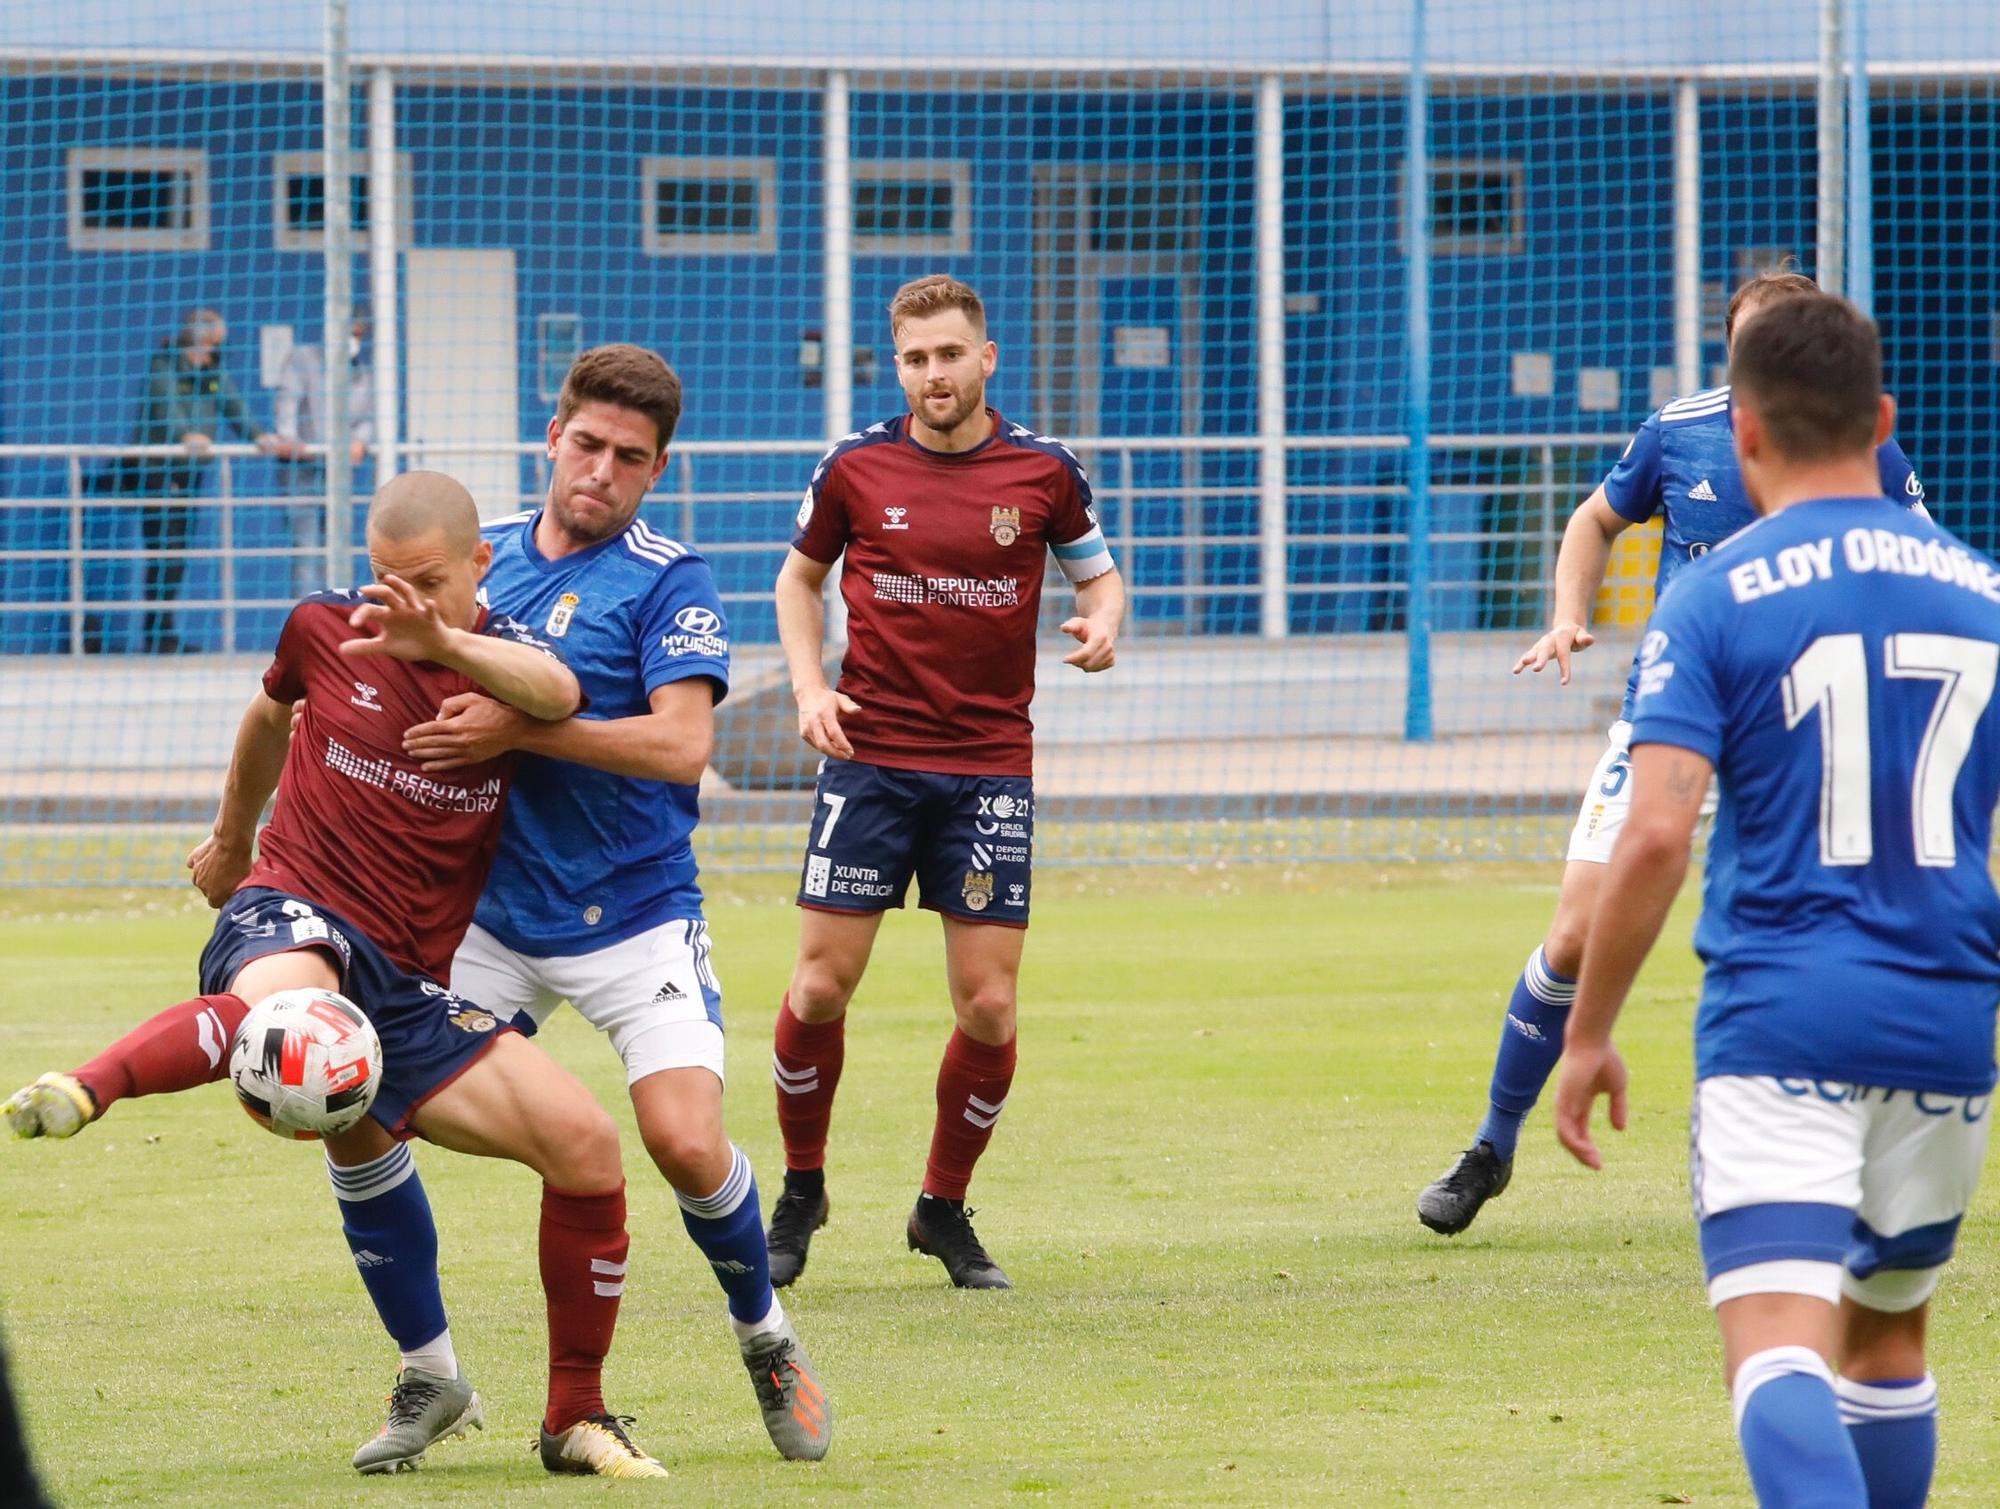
[(1812, 1187), (1608, 798), (654, 995)]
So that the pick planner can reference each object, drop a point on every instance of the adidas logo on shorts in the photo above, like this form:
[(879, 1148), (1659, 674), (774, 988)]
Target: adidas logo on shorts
[(669, 992)]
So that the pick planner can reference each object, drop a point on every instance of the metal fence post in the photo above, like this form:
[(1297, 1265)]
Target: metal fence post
[(1417, 232)]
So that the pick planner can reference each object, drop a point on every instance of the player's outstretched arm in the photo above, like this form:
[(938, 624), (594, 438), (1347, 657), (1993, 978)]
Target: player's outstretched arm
[(1100, 606), (1581, 562), (802, 631), (1648, 864), (399, 621), (670, 743), (220, 861)]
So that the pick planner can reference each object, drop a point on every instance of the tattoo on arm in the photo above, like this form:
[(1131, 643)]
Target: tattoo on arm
[(1687, 780)]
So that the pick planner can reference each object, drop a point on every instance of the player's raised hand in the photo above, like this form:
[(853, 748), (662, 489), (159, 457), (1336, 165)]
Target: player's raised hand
[(819, 721), (468, 728), (1558, 645), (1096, 650), (219, 868), (398, 620), (1587, 1072)]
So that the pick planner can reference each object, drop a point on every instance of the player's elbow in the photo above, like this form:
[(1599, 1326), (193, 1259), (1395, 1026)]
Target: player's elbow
[(681, 755), (1656, 841), (555, 696)]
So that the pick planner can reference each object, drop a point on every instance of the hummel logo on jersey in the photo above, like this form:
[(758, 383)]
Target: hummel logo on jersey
[(365, 695), (669, 992), (893, 518), (366, 1259), (1701, 492)]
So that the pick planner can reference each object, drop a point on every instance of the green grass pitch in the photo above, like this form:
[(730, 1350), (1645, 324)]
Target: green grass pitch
[(1233, 1082)]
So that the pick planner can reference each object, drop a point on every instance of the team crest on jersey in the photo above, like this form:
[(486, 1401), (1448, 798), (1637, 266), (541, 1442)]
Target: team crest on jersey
[(468, 1018), (1006, 525), (978, 889), (560, 615)]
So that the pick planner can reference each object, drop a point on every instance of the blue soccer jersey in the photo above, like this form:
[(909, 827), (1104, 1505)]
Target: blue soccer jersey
[(1682, 465), (1837, 663), (588, 858)]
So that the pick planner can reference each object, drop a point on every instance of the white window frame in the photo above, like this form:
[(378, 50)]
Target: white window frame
[(191, 160), (1513, 244), (286, 165), (763, 171), (956, 242)]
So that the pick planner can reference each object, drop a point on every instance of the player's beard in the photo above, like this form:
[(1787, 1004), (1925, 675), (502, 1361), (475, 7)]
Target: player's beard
[(588, 530), (967, 405)]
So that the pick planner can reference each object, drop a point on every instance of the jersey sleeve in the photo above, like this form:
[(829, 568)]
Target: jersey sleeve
[(501, 626), (1677, 697), (1633, 486), (1899, 478), (682, 630), (1074, 533), (821, 529), (285, 677)]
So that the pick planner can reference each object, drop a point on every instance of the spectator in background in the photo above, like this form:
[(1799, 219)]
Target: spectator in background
[(188, 399), (300, 411)]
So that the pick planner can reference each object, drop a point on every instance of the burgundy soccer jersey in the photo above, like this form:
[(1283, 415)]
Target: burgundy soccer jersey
[(359, 826), (943, 581)]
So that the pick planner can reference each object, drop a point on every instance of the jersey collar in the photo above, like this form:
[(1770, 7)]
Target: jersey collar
[(949, 457), (547, 567)]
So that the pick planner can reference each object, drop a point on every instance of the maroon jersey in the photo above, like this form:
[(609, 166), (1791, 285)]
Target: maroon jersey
[(358, 826), (945, 558)]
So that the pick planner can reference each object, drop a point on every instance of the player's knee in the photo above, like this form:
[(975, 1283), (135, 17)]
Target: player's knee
[(820, 990), (579, 1145), (987, 1014), (692, 1157)]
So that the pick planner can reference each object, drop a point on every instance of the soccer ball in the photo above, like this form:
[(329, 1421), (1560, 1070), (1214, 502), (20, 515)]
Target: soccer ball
[(305, 1064)]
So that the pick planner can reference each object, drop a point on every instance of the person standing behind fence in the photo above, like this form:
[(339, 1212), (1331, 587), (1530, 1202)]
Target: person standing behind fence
[(188, 399), (299, 410)]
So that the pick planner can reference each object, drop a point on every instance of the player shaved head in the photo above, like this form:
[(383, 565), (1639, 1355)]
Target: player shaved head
[(424, 529), (416, 503)]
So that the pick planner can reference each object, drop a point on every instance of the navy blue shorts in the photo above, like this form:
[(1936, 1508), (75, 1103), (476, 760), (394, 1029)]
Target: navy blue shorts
[(968, 839), (429, 1036)]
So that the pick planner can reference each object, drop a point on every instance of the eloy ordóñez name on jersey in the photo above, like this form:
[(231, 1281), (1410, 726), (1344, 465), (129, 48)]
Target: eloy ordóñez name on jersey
[(1862, 551)]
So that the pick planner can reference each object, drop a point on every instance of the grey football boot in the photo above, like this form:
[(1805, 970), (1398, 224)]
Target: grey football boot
[(796, 1410), (423, 1410)]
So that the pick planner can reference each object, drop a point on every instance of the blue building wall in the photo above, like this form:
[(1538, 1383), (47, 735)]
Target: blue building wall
[(554, 175)]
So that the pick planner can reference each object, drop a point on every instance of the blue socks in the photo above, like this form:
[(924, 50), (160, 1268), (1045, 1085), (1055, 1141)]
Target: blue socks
[(1893, 1424), (728, 1227), (1530, 1043), (1799, 1454), (387, 1218)]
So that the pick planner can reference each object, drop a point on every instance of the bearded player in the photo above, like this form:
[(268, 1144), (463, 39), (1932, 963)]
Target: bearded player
[(945, 516)]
